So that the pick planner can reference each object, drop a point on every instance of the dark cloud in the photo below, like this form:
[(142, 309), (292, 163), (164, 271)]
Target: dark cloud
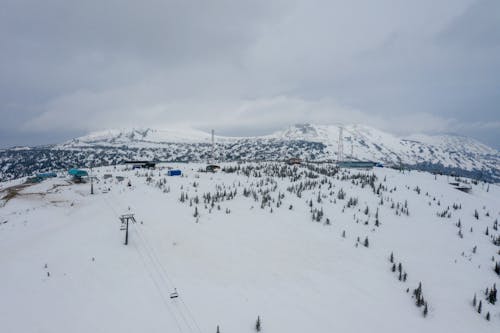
[(247, 67)]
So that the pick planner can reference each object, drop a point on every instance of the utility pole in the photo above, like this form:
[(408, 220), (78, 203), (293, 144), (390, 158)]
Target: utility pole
[(340, 154), (213, 147), (125, 219), (352, 149), (91, 181)]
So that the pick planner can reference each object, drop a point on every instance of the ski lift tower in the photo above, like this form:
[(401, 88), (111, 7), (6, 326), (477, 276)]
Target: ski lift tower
[(125, 219)]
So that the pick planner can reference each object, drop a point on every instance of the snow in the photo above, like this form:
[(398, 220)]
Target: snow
[(151, 135), (145, 137), (361, 142), (296, 274)]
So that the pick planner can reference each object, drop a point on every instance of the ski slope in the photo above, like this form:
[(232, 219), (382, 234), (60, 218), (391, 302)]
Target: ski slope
[(260, 254)]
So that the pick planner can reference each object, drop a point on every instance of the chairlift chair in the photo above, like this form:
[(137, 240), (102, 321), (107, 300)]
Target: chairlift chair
[(174, 294)]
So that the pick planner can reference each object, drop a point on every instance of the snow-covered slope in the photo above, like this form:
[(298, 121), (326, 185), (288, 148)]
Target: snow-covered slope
[(285, 244), (364, 142), (135, 136), (360, 142), (450, 154)]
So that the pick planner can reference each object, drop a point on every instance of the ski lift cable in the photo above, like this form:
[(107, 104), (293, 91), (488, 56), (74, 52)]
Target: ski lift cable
[(165, 277), (155, 283), (162, 269), (143, 238), (160, 292), (182, 316), (158, 270), (190, 313), (149, 250)]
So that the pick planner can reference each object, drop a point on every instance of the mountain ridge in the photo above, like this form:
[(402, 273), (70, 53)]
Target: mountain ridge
[(441, 153)]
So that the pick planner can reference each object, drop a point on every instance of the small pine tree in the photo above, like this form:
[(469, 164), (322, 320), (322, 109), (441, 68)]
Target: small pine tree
[(492, 297), (391, 258), (218, 330), (474, 301), (426, 310), (417, 292), (479, 308), (366, 243), (488, 316), (258, 324)]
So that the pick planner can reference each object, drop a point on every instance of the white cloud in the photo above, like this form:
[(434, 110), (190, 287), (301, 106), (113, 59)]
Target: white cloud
[(248, 66)]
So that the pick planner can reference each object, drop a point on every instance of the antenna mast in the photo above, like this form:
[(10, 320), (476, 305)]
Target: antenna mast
[(213, 147), (340, 154), (352, 148)]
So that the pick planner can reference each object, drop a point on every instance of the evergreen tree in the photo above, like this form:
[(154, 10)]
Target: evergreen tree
[(492, 296), (479, 308), (258, 324), (417, 292)]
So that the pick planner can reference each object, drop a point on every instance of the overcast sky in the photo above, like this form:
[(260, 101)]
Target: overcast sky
[(248, 67)]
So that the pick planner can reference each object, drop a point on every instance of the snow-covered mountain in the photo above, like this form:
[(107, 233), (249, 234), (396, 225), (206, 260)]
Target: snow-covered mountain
[(360, 142), (444, 153), (307, 248)]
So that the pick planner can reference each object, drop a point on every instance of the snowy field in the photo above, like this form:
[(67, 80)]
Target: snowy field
[(307, 249)]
